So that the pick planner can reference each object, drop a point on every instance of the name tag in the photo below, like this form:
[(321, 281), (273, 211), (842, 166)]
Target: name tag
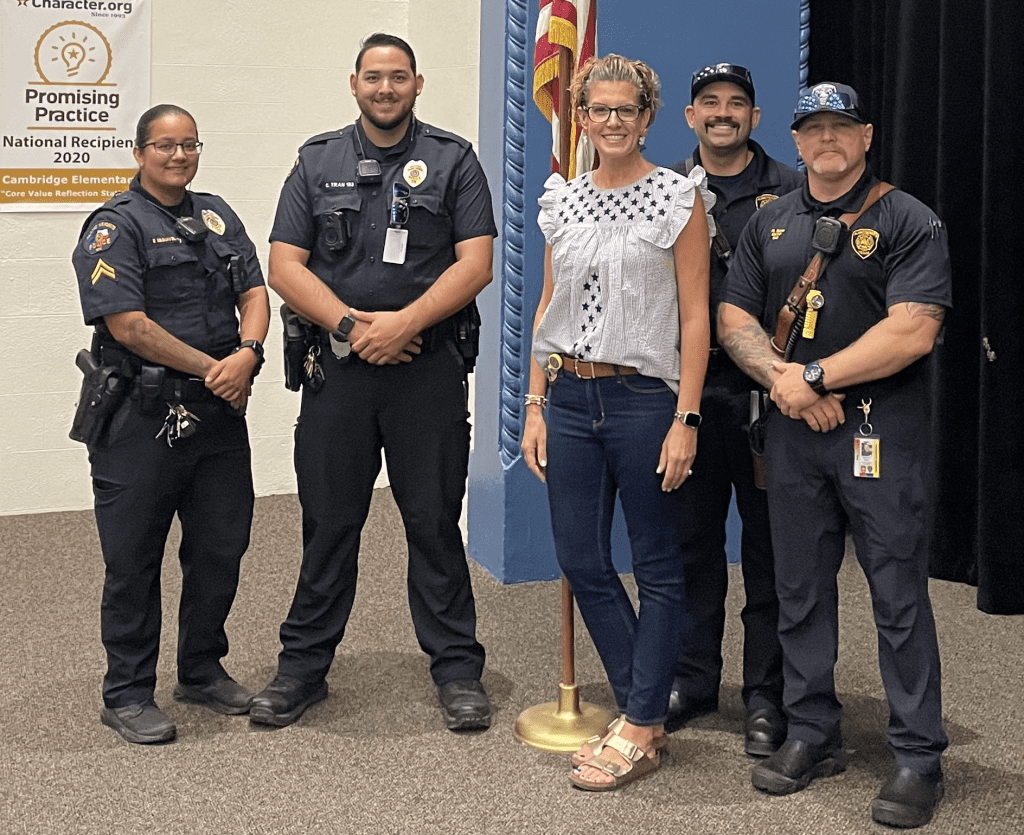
[(394, 245)]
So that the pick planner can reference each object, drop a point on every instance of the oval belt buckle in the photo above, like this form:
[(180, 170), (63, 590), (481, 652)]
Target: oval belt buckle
[(553, 367)]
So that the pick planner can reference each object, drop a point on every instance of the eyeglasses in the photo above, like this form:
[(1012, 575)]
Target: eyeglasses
[(167, 149), (399, 204), (715, 70), (625, 112)]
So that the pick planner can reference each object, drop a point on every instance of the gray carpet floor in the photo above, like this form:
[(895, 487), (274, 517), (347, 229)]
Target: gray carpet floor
[(375, 757)]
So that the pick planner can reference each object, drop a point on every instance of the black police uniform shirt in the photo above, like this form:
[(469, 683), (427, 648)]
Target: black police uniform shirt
[(738, 197), (449, 202), (896, 252), (131, 257)]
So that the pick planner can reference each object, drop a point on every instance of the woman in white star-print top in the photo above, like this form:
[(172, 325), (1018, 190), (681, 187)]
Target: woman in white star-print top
[(622, 331)]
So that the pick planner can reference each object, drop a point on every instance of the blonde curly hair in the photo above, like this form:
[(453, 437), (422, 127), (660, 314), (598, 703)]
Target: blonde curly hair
[(614, 67)]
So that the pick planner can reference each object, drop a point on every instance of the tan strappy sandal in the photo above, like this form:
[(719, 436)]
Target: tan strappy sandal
[(640, 765), (596, 743)]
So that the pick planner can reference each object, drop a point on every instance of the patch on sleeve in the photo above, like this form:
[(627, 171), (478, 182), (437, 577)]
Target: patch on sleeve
[(102, 269), (100, 237)]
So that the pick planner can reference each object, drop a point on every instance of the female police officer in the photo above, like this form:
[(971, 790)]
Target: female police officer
[(161, 271)]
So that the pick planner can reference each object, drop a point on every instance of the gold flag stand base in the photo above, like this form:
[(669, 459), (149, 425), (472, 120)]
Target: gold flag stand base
[(564, 725)]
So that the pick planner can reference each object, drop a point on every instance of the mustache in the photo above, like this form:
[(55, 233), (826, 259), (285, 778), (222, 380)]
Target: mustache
[(722, 121)]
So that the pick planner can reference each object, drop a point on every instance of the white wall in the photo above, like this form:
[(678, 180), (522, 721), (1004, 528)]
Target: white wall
[(260, 77)]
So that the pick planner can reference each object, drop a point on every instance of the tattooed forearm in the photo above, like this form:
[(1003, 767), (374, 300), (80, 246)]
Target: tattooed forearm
[(934, 311), (750, 349)]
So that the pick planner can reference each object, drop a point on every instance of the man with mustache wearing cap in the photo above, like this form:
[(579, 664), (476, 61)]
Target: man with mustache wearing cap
[(744, 179), (846, 446)]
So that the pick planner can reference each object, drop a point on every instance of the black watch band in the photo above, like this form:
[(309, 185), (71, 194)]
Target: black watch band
[(344, 328), (814, 376), (257, 349)]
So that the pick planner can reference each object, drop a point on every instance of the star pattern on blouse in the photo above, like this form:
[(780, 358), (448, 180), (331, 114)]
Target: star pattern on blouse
[(647, 200)]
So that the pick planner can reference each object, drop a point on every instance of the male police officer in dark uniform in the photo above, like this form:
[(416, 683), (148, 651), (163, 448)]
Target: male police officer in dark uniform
[(744, 179), (383, 237), (161, 272), (847, 446)]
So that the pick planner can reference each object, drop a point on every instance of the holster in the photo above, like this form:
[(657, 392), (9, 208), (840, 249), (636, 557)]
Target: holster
[(103, 391), (299, 335), (467, 334)]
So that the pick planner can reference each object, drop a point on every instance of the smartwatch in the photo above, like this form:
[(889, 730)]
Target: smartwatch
[(814, 376), (691, 419), (257, 349), (344, 328)]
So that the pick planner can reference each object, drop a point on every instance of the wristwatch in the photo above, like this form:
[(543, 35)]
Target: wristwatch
[(257, 349), (344, 328), (691, 419), (814, 376)]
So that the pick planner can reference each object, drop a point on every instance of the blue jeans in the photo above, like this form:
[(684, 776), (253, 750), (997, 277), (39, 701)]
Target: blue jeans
[(604, 439)]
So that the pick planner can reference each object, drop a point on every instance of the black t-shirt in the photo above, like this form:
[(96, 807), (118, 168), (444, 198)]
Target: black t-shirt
[(896, 252)]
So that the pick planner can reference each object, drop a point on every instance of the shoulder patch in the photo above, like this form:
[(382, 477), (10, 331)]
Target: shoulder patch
[(99, 237), (763, 200)]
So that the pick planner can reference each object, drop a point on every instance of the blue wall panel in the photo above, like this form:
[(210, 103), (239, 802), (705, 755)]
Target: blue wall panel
[(509, 528)]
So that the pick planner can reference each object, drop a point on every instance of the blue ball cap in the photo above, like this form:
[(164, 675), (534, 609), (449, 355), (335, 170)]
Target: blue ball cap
[(827, 97)]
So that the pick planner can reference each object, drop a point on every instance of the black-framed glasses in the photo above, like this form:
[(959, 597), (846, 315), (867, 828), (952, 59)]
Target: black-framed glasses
[(167, 149), (399, 204), (602, 113)]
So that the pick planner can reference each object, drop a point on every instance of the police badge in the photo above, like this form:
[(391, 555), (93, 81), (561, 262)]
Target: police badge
[(415, 172), (213, 221), (864, 242)]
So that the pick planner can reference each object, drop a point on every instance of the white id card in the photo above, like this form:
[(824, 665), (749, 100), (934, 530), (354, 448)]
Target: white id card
[(394, 245), (867, 457)]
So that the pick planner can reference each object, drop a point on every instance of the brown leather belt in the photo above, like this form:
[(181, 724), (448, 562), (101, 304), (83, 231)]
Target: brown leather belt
[(589, 370)]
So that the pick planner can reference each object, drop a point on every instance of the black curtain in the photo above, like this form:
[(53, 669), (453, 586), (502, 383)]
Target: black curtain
[(943, 82)]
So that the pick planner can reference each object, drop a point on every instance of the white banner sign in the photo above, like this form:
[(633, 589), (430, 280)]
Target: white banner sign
[(75, 81)]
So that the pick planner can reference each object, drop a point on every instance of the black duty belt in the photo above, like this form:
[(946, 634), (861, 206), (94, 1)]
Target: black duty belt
[(179, 389)]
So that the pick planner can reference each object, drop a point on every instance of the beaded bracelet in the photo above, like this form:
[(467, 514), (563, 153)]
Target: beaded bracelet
[(536, 400)]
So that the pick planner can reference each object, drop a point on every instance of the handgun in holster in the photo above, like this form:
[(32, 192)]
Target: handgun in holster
[(103, 390), (297, 335), (467, 334)]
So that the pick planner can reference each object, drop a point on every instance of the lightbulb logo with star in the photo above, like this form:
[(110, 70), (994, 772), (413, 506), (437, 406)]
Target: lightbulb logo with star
[(73, 52)]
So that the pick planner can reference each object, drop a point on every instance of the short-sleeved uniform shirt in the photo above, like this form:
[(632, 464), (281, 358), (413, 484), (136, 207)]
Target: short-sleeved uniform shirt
[(615, 294), (737, 198), (322, 197), (896, 252), (131, 257)]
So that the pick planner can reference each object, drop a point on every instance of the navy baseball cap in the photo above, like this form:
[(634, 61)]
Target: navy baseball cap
[(733, 73), (827, 97)]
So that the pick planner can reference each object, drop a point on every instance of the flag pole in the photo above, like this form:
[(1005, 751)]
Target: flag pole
[(566, 724)]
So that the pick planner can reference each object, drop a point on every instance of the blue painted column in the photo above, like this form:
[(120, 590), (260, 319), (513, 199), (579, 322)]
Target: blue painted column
[(509, 525)]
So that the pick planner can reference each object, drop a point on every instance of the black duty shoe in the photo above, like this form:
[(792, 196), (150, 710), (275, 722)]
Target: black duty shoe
[(464, 705), (683, 708), (908, 799), (225, 695), (765, 732), (795, 764), (284, 700), (143, 723)]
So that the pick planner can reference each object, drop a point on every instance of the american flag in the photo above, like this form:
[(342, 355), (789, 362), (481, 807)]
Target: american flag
[(572, 24)]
